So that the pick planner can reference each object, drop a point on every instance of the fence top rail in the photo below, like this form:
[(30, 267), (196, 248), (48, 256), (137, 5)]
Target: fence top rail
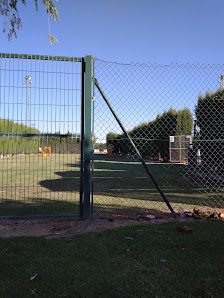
[(40, 57), (40, 135)]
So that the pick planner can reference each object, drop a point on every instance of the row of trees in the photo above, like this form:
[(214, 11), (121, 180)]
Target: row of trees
[(27, 145), (13, 145), (152, 138)]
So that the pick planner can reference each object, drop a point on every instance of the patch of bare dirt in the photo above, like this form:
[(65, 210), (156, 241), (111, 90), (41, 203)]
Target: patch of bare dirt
[(61, 228)]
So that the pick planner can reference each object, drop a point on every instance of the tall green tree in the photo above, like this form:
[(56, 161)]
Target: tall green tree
[(210, 119)]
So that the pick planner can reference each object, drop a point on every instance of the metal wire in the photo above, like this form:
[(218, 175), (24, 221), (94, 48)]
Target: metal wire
[(165, 110), (174, 121), (43, 113)]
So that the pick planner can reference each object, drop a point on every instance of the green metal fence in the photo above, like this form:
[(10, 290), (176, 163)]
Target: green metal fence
[(168, 118), (41, 135), (82, 135)]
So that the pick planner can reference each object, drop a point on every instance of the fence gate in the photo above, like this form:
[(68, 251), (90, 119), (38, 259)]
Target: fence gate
[(41, 135)]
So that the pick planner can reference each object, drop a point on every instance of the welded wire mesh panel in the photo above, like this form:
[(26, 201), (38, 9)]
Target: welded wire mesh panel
[(174, 115), (39, 134)]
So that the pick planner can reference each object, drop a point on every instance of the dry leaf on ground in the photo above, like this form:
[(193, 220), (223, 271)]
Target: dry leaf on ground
[(185, 229)]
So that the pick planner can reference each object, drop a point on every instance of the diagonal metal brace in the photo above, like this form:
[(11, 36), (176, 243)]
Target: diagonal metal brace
[(133, 145)]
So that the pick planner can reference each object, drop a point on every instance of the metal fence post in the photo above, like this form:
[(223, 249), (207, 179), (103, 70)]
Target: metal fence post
[(82, 140), (87, 135)]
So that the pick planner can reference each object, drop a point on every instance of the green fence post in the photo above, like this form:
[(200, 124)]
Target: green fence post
[(87, 135), (81, 190)]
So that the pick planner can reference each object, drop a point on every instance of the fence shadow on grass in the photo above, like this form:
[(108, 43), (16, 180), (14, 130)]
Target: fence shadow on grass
[(37, 206), (44, 207), (118, 182)]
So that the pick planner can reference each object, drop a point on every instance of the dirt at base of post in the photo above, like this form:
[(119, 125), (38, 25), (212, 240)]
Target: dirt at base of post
[(60, 228)]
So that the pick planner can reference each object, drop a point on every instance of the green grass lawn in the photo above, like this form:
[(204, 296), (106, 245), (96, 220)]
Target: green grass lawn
[(30, 184), (121, 182), (137, 261), (36, 185)]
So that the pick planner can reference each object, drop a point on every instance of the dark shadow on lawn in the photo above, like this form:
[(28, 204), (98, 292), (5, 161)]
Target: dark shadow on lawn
[(126, 187), (126, 179), (44, 207), (38, 206)]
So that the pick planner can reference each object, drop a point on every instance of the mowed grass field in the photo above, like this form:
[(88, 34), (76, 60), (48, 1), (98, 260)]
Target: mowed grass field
[(33, 185), (136, 261)]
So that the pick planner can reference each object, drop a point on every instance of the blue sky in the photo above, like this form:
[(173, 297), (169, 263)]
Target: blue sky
[(161, 31), (124, 31)]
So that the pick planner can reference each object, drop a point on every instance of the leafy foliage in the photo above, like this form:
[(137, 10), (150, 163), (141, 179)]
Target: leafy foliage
[(13, 145), (28, 145), (152, 138), (210, 118), (9, 10)]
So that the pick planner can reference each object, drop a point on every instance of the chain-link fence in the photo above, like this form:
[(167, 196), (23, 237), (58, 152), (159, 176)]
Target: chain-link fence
[(40, 108), (174, 115)]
